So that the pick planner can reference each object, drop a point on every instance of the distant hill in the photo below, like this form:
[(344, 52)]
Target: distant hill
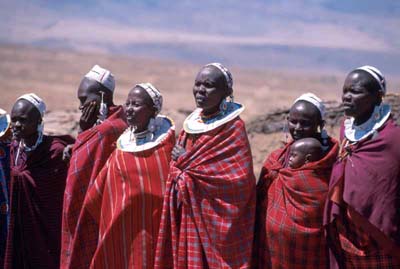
[(313, 35)]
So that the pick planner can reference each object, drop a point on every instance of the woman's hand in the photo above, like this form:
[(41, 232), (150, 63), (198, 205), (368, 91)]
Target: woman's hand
[(89, 116), (67, 153), (177, 151)]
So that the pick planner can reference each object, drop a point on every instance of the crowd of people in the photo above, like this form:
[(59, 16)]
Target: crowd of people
[(128, 193)]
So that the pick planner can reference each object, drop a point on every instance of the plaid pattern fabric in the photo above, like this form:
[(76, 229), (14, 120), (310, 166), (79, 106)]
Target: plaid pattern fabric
[(126, 203), (355, 249), (36, 198), (289, 226), (4, 203), (209, 205), (90, 153)]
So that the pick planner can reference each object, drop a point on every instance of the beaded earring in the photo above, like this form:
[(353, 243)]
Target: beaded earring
[(103, 110)]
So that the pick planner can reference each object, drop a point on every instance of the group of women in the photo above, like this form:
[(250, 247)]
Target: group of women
[(158, 202)]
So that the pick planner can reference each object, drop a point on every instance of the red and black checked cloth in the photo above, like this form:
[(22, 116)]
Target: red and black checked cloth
[(209, 205), (91, 151), (355, 248), (290, 206)]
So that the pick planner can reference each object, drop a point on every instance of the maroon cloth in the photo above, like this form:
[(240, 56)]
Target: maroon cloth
[(367, 181), (36, 192), (90, 153)]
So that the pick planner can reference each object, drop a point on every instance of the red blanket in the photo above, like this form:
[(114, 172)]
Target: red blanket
[(90, 153), (126, 204), (36, 193), (290, 204), (209, 205)]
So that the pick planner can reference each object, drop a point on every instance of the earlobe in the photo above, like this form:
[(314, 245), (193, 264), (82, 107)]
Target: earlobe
[(308, 158)]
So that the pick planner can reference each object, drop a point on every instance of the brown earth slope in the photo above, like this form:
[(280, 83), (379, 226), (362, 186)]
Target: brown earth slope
[(55, 75)]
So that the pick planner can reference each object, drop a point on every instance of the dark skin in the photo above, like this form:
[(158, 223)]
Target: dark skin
[(89, 95), (25, 118), (361, 93), (304, 151), (139, 109), (303, 120), (210, 87)]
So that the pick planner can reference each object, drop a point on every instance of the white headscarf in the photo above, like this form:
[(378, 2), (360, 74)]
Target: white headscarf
[(225, 71), (36, 101), (154, 94), (103, 76), (376, 74), (313, 99)]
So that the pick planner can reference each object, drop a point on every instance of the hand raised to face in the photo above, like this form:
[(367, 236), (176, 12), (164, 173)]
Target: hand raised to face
[(89, 115)]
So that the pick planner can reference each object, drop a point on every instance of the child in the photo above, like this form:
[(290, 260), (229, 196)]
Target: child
[(304, 151)]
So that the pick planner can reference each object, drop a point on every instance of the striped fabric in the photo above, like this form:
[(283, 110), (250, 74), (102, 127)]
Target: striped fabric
[(209, 205), (126, 203), (289, 222), (90, 153)]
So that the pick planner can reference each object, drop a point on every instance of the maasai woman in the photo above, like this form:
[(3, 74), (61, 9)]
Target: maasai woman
[(364, 193), (127, 197), (38, 176), (290, 202), (5, 139), (208, 211), (101, 124)]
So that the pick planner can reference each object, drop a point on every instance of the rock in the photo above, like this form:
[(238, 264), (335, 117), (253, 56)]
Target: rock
[(275, 121)]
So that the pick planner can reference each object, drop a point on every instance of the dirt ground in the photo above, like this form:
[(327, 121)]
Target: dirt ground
[(55, 76)]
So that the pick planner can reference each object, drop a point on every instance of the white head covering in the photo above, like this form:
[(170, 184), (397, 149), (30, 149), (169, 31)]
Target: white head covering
[(154, 94), (4, 122), (313, 99), (225, 71), (103, 76), (36, 101), (376, 74)]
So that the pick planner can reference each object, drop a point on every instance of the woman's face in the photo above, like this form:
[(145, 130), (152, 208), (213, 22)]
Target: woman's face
[(209, 89), (139, 109), (303, 120), (25, 119), (357, 100)]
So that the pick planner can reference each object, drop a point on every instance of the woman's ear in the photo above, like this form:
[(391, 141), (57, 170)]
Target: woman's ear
[(321, 125), (229, 92), (379, 97)]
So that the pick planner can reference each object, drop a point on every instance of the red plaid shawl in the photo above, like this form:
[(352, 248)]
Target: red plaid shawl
[(209, 205), (290, 203), (36, 192), (126, 203), (90, 153)]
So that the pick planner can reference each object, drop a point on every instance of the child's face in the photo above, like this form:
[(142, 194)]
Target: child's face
[(297, 158)]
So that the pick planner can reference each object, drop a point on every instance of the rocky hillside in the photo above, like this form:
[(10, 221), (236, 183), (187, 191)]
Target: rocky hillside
[(274, 122)]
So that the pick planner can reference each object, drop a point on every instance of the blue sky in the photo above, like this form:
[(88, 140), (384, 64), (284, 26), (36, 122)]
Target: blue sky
[(292, 34)]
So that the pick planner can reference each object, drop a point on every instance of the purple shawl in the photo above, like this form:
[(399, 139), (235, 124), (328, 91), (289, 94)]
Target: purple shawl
[(372, 180)]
